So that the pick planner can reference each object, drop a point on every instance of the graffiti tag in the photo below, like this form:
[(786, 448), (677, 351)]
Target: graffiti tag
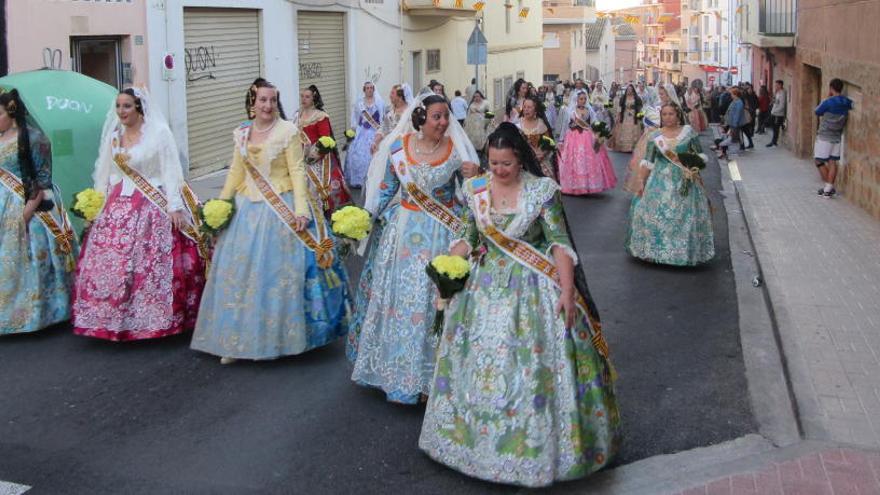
[(199, 62), (310, 70), (56, 103)]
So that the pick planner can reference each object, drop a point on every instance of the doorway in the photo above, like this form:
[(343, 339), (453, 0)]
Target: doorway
[(808, 123), (98, 58), (417, 70)]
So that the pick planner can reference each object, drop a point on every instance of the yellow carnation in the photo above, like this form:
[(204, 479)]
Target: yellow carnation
[(351, 222), (216, 212), (349, 133), (88, 204), (454, 267), (327, 142)]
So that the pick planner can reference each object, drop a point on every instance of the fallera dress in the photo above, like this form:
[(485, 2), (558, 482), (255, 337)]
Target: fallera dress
[(137, 277), (325, 179), (392, 343), (667, 226), (517, 398), (368, 119), (36, 268), (266, 295), (628, 131), (582, 169), (533, 136)]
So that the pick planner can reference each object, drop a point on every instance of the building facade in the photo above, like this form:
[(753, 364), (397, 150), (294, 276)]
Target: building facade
[(104, 40), (806, 44), (708, 41), (625, 51), (601, 53), (565, 32)]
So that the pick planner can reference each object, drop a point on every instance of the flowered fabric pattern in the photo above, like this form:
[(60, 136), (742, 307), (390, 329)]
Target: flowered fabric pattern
[(137, 278), (666, 227), (517, 398), (391, 342), (627, 133), (581, 169), (357, 160), (34, 277), (533, 136), (338, 195)]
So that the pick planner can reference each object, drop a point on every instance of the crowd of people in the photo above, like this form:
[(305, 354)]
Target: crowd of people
[(518, 384)]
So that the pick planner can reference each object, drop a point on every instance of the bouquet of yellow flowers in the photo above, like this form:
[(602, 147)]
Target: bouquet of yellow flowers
[(87, 204), (350, 223), (449, 274), (548, 143), (489, 115), (216, 215), (350, 134), (326, 144)]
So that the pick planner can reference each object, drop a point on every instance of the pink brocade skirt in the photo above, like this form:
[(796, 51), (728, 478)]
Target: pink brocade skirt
[(136, 277), (583, 170)]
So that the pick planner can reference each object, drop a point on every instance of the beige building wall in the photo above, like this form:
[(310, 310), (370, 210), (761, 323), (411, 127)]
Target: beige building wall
[(40, 33)]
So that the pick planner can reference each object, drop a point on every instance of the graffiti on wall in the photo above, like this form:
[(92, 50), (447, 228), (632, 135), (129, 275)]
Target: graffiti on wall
[(200, 62), (52, 58), (310, 70)]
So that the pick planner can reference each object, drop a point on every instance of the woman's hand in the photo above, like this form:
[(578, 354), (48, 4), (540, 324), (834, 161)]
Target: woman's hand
[(469, 169), (301, 223), (566, 307), (313, 155), (30, 207), (177, 219)]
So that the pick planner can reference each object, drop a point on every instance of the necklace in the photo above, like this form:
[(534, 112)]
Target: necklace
[(431, 151), (267, 129)]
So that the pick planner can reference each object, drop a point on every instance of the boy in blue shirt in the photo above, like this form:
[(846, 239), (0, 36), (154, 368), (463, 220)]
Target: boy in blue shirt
[(832, 112)]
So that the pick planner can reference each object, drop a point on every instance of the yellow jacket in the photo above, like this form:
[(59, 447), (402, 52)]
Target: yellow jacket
[(279, 159)]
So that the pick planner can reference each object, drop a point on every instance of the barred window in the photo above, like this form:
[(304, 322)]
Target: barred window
[(433, 60)]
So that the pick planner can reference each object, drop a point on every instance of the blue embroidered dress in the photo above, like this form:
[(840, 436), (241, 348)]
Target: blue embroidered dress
[(266, 297), (35, 276), (392, 343), (357, 159), (517, 398), (667, 226)]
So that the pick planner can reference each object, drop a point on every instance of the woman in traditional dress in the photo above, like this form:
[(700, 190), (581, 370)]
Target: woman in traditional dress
[(629, 126), (142, 267), (323, 172), (523, 389), (475, 123), (550, 110), (37, 245), (670, 219), (650, 123), (534, 126), (697, 117), (366, 116), (515, 98), (391, 342), (400, 97), (276, 287), (584, 165)]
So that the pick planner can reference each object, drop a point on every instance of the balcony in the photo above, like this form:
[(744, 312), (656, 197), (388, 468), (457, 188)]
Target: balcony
[(447, 8), (776, 22)]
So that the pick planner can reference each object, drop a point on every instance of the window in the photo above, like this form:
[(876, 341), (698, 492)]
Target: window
[(433, 60), (705, 24), (717, 52), (674, 56), (551, 40), (497, 93), (98, 58)]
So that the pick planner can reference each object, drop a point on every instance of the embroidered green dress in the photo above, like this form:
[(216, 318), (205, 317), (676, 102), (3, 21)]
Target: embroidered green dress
[(517, 398)]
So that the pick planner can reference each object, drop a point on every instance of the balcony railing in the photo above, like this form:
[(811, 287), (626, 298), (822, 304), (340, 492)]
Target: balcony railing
[(453, 8), (777, 17)]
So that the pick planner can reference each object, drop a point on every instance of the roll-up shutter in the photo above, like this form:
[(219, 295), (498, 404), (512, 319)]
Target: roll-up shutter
[(222, 60), (321, 37)]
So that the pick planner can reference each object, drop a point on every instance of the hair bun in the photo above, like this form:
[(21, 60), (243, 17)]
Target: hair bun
[(419, 117)]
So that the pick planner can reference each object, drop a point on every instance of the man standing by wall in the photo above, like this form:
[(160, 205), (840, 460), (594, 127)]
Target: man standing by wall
[(832, 113), (777, 112)]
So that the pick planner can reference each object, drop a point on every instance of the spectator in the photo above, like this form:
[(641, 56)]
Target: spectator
[(763, 109), (459, 107), (777, 112), (832, 112), (750, 103), (734, 119)]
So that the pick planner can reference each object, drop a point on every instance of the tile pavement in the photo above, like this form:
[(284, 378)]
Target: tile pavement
[(821, 262)]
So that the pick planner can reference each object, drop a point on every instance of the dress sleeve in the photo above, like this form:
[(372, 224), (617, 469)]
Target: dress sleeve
[(324, 128), (235, 176), (650, 156), (471, 234), (297, 170), (694, 145), (41, 155), (172, 171), (388, 187), (553, 226)]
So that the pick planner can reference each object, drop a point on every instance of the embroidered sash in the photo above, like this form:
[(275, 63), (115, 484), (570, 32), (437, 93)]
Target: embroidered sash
[(155, 196), (691, 174), (322, 248), (370, 120), (322, 182), (428, 204), (62, 233), (528, 256)]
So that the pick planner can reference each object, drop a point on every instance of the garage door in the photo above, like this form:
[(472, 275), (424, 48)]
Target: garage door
[(321, 37), (222, 59)]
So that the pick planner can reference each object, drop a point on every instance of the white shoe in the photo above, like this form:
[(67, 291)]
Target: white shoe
[(227, 360)]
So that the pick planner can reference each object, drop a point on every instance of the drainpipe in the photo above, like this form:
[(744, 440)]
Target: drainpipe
[(4, 61)]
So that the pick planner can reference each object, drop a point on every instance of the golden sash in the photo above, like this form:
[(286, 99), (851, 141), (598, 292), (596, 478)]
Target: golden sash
[(428, 204), (156, 197), (62, 233), (321, 182), (531, 258), (324, 249)]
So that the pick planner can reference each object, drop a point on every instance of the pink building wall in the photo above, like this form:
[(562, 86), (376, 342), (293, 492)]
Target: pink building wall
[(38, 27)]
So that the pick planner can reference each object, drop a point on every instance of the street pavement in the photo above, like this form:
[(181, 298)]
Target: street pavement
[(88, 416)]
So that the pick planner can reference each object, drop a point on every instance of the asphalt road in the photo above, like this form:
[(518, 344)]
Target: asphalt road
[(84, 416)]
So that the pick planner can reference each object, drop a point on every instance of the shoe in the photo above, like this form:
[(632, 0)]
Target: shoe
[(830, 194), (771, 144), (821, 191), (750, 147), (227, 360)]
